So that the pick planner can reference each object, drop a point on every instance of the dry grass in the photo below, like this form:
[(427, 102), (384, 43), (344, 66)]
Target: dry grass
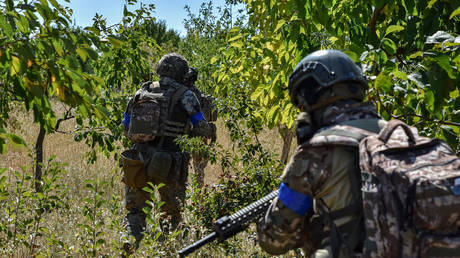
[(78, 170)]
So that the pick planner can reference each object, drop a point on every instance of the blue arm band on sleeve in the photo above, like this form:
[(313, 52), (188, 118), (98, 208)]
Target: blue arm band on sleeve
[(297, 202), (126, 120), (197, 117)]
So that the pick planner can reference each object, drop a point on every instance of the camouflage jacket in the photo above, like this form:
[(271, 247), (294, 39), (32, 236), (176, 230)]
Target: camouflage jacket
[(207, 104), (320, 172)]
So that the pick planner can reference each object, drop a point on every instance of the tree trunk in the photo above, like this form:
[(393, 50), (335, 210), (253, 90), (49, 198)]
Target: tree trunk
[(39, 158), (286, 134)]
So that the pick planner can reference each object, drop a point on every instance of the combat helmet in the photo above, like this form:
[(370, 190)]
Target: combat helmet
[(315, 74), (191, 75), (173, 65)]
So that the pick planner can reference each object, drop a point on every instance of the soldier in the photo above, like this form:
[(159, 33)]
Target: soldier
[(207, 106), (319, 207), (158, 113)]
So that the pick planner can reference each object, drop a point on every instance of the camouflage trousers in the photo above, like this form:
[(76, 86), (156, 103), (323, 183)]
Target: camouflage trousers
[(173, 196), (199, 164)]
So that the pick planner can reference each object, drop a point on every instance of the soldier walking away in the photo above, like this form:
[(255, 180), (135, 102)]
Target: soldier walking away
[(208, 108), (156, 115), (344, 161)]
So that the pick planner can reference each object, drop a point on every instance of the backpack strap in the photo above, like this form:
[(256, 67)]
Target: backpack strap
[(348, 133)]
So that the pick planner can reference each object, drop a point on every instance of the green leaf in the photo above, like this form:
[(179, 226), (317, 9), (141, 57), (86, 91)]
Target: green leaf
[(280, 24), (352, 55), (115, 42), (389, 45), (92, 53), (429, 98), (58, 47), (6, 26), (93, 29), (393, 28), (400, 75), (16, 140), (234, 38), (238, 44), (431, 3), (23, 24), (383, 82), (273, 113), (82, 53), (444, 62), (15, 65), (455, 13)]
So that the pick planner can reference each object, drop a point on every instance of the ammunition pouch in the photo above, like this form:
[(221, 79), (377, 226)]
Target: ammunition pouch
[(134, 174), (159, 166)]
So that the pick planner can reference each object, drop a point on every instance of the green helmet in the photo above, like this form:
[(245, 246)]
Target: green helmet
[(173, 65), (319, 73)]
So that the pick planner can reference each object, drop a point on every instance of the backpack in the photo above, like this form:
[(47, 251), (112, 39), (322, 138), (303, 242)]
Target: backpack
[(150, 114), (411, 194), (410, 190)]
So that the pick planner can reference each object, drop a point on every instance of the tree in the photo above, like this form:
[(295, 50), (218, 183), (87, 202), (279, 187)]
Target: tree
[(408, 49), (46, 60)]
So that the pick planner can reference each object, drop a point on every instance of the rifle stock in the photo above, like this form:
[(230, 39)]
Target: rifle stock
[(229, 226)]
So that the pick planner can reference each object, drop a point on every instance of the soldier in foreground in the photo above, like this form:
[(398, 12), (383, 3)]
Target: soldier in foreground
[(329, 88), (357, 186), (200, 161), (158, 113)]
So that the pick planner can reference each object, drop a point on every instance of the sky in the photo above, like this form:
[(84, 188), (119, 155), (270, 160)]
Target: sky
[(172, 11)]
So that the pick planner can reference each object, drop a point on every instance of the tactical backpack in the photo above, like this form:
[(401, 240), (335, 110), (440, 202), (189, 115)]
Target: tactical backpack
[(410, 190), (411, 194), (150, 114), (208, 108)]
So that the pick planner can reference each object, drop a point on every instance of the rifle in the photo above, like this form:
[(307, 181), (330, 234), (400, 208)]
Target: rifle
[(229, 226)]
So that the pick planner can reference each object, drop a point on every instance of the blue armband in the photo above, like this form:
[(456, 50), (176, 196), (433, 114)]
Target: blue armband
[(297, 202), (126, 119), (197, 117)]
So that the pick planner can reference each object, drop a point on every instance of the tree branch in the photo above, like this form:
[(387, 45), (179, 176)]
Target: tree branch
[(375, 17), (435, 120), (67, 116)]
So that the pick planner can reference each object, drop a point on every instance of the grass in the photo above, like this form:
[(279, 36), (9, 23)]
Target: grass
[(64, 227)]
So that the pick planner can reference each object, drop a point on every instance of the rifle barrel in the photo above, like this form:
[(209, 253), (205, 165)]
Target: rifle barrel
[(191, 248)]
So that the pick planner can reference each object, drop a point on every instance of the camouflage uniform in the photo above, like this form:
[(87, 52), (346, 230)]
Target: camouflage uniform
[(320, 172), (187, 109), (200, 161), (360, 186), (315, 208)]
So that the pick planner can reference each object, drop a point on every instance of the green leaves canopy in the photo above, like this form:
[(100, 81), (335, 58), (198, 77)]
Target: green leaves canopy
[(408, 49)]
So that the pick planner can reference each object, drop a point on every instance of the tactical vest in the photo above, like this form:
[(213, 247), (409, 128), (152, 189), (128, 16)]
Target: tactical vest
[(154, 113)]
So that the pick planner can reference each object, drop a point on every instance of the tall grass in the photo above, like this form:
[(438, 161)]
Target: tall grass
[(80, 211)]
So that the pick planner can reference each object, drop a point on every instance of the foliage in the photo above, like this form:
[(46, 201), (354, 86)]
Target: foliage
[(29, 32), (408, 49), (24, 212), (206, 35), (249, 171), (93, 226)]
